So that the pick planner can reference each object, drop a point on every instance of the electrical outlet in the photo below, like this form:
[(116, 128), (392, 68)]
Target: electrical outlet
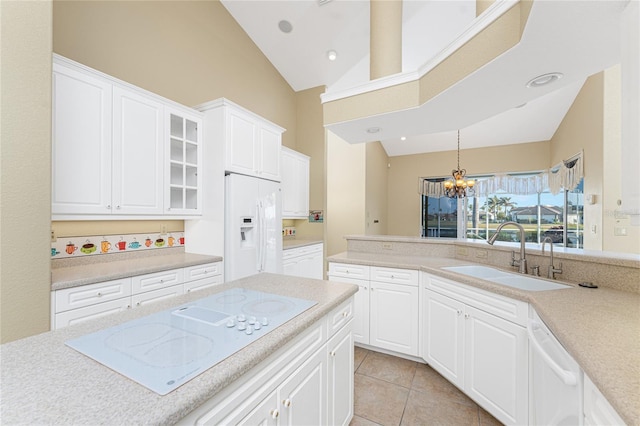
[(53, 236), (462, 251), (163, 228), (387, 246), (481, 254)]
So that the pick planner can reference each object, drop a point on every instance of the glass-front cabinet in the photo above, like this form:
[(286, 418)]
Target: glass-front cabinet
[(185, 156)]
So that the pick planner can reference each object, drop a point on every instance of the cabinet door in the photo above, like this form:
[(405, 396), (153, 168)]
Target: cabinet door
[(91, 294), (265, 413), (496, 366), (303, 394), (81, 145), (290, 267), (295, 184), (340, 382), (76, 316), (268, 154), (183, 177), (394, 317), (240, 143), (443, 338), (138, 154), (156, 280), (289, 184)]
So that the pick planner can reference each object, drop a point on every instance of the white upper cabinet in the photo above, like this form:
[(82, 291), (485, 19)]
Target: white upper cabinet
[(184, 195), (138, 155), (295, 184), (81, 148), (115, 152), (252, 144)]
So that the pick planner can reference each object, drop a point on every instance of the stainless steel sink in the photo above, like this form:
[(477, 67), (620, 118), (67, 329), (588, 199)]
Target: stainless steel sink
[(519, 281)]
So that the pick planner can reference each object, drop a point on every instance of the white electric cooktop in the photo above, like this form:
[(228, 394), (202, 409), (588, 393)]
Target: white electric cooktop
[(167, 349)]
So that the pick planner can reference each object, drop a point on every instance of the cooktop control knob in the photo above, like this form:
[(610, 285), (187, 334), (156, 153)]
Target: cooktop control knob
[(252, 320), (257, 325), (249, 330), (231, 323), (264, 321), (242, 326), (241, 318)]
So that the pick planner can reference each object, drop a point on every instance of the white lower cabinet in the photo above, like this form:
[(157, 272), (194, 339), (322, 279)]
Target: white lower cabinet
[(393, 317), (340, 373), (77, 304), (307, 382), (304, 261), (386, 306), (480, 352)]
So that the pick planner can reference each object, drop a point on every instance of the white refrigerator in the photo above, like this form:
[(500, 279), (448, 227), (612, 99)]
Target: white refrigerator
[(253, 226)]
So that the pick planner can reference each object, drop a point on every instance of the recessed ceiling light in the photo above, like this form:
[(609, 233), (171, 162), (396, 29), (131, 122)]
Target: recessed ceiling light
[(403, 138), (373, 129), (332, 55), (285, 26), (544, 79)]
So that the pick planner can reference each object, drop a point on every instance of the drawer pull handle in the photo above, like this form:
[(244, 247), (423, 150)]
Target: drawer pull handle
[(344, 314), (332, 353), (286, 403), (274, 414)]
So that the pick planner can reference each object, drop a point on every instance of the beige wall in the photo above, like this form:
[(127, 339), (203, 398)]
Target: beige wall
[(376, 189), (114, 227), (310, 141), (25, 162), (346, 174), (582, 129), (404, 201)]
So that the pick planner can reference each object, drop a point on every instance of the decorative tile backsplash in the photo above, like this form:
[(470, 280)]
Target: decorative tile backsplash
[(105, 244)]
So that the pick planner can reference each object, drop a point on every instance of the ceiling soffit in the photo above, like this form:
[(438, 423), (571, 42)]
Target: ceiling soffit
[(495, 39)]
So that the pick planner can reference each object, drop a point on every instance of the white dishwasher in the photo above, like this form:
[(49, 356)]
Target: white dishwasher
[(555, 379)]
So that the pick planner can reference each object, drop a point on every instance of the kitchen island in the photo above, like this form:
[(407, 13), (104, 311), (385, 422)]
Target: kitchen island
[(44, 381)]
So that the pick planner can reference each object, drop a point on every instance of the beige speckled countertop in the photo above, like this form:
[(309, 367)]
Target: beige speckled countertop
[(600, 327), (46, 382), (290, 243), (122, 267)]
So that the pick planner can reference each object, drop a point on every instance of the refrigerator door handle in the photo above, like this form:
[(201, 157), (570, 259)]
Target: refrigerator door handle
[(259, 237)]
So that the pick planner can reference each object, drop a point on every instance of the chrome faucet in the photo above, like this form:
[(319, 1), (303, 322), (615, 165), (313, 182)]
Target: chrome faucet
[(522, 262), (552, 269)]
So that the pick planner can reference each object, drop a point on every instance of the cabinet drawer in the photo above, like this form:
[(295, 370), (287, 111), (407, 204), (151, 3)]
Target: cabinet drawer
[(78, 297), (339, 316), (348, 270), (395, 276), (156, 295), (203, 283), (87, 313), (301, 251), (198, 272), (156, 280)]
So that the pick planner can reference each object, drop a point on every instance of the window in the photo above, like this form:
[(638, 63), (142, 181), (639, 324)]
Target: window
[(559, 217)]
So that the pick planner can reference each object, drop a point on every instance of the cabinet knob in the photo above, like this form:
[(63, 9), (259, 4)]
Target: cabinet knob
[(274, 414), (99, 294), (118, 207), (286, 402), (332, 353), (459, 312), (108, 206), (344, 314), (466, 316), (137, 303)]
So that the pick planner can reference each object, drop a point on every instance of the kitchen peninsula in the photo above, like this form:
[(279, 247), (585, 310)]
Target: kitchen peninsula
[(45, 381), (598, 327)]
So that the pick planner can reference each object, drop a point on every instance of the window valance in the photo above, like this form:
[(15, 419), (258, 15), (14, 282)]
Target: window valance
[(563, 176)]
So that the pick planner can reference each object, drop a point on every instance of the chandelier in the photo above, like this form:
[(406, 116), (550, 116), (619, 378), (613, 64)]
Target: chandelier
[(458, 187)]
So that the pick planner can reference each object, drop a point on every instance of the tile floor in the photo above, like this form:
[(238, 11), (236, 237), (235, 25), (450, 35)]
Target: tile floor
[(392, 391)]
